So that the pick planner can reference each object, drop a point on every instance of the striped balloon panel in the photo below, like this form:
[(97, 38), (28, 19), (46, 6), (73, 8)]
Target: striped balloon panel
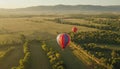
[(63, 40)]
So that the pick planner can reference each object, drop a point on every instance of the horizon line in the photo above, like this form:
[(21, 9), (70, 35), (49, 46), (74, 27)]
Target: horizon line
[(58, 5)]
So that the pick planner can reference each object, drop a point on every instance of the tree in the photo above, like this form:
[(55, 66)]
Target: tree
[(60, 67), (23, 38), (116, 63), (113, 54), (57, 55)]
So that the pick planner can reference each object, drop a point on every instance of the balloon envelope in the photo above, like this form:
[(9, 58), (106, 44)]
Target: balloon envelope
[(63, 40), (74, 29)]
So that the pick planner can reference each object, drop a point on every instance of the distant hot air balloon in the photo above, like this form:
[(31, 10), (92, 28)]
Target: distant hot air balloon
[(74, 29), (63, 40)]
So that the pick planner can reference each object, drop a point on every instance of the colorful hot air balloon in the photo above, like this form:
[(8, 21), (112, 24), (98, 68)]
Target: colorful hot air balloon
[(63, 40), (74, 29)]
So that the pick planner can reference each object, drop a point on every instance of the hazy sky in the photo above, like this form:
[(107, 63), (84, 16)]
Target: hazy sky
[(27, 3)]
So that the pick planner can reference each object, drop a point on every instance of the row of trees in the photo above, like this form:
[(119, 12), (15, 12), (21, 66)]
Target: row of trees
[(15, 41), (105, 27), (25, 62), (83, 16), (110, 57), (6, 53), (104, 37), (91, 61), (113, 24), (10, 42), (54, 57)]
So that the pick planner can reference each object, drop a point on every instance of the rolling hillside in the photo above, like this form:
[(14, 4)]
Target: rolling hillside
[(70, 9)]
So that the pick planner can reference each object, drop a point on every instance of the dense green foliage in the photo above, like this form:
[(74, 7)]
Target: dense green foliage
[(111, 22), (88, 40), (61, 21), (107, 37), (54, 57), (105, 55)]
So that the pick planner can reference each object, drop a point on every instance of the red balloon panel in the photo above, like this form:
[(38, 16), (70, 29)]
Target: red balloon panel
[(63, 40)]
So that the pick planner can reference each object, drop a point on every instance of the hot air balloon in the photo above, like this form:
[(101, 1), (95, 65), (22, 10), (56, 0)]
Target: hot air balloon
[(63, 40), (74, 29)]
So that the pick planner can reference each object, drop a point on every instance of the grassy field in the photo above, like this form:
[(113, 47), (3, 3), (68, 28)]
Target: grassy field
[(37, 27), (12, 57), (39, 59), (34, 28), (70, 60), (82, 21)]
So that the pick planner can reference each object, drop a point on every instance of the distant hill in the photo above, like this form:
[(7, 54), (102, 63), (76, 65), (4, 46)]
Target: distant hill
[(66, 9)]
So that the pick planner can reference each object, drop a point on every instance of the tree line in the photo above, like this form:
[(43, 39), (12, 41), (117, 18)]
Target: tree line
[(104, 37), (88, 42), (54, 57), (105, 27), (25, 62), (110, 57)]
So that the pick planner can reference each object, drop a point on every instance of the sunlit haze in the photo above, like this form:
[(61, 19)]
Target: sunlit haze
[(27, 3)]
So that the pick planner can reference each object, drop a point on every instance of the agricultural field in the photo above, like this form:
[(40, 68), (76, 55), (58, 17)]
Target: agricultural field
[(27, 41)]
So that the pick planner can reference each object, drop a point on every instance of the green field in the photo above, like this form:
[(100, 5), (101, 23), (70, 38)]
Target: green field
[(38, 28)]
